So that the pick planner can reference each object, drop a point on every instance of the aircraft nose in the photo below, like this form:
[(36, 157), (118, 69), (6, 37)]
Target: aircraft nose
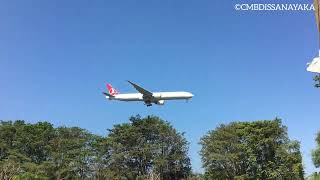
[(191, 95)]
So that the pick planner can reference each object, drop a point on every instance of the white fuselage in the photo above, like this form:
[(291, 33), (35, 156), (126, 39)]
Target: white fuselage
[(156, 96)]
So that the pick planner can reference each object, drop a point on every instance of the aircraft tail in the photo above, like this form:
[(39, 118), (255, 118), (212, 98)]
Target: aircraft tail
[(111, 90)]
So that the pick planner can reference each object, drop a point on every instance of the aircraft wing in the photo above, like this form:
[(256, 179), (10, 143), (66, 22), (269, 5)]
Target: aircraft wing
[(141, 90)]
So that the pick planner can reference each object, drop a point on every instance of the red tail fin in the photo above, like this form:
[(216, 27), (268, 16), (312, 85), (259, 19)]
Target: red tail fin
[(111, 90)]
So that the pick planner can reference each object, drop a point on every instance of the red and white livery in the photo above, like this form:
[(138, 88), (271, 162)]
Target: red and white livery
[(146, 96)]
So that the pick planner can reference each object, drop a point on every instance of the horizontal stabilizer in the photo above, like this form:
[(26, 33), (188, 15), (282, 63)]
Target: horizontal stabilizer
[(107, 94)]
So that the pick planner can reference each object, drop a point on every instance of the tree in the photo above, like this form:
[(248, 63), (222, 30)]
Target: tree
[(73, 153), (40, 151), (251, 150), (143, 148), (316, 152), (317, 80), (314, 176), (8, 170), (146, 146)]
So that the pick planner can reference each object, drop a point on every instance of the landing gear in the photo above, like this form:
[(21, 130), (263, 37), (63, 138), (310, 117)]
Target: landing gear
[(148, 103)]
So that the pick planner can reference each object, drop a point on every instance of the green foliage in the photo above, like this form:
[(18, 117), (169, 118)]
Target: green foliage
[(251, 150), (316, 159), (144, 146), (148, 148), (74, 152), (9, 170), (316, 152), (140, 149), (314, 176), (317, 80), (40, 151), (195, 176)]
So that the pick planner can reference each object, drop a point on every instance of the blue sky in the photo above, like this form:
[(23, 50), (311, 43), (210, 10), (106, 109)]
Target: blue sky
[(56, 56)]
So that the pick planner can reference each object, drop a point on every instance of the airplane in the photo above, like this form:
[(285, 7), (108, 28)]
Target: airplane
[(146, 96)]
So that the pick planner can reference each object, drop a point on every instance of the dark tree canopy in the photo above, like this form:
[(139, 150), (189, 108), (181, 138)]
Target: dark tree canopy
[(148, 148), (40, 151), (144, 146), (317, 80), (251, 150)]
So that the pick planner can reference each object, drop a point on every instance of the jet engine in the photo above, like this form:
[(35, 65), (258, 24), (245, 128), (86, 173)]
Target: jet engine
[(160, 102)]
